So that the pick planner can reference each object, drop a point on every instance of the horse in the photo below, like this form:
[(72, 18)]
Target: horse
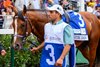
[(33, 21)]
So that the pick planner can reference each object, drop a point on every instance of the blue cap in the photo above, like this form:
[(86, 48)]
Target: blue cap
[(98, 5)]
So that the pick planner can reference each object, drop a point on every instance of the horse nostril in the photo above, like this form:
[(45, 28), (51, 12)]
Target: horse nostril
[(17, 46)]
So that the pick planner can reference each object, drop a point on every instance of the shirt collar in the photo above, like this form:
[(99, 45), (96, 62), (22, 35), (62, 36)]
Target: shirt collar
[(60, 21)]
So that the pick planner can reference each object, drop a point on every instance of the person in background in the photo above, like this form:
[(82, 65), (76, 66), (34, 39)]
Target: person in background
[(49, 3), (8, 14), (56, 1), (1, 8), (90, 6), (35, 4), (64, 4), (2, 50), (30, 4), (97, 10), (58, 38), (19, 4)]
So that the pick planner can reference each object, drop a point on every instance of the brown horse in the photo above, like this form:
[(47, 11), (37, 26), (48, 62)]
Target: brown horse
[(33, 21)]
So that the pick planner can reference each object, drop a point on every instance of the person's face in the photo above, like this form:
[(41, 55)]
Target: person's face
[(52, 15), (9, 9), (98, 9)]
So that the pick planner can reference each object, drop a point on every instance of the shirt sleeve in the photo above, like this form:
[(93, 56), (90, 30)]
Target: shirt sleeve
[(68, 35)]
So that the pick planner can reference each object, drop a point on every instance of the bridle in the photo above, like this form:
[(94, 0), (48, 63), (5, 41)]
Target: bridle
[(26, 22)]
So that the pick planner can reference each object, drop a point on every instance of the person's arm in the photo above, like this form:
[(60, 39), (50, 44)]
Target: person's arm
[(13, 14), (66, 49), (4, 14), (40, 46), (68, 40), (35, 49)]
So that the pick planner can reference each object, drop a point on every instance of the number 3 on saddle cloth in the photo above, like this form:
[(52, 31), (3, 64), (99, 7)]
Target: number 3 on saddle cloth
[(80, 33), (79, 26)]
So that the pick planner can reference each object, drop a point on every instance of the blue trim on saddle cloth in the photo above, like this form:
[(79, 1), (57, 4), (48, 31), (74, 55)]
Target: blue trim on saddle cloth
[(64, 18), (50, 53), (79, 26)]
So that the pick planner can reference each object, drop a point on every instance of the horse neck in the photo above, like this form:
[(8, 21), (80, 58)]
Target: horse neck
[(38, 20), (39, 16), (38, 30)]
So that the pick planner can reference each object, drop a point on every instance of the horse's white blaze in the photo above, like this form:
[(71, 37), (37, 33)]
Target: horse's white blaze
[(15, 32)]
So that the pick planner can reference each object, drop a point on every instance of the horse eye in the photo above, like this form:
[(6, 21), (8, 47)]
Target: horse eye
[(22, 25)]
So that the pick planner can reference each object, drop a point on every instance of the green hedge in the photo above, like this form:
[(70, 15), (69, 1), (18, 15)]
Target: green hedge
[(22, 58)]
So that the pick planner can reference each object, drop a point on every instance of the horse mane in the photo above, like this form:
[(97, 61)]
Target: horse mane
[(37, 10), (38, 15)]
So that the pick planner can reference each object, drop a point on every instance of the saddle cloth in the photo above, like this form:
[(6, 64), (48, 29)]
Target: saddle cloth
[(79, 26)]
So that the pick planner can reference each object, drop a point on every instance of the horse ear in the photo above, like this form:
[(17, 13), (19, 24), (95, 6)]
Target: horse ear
[(15, 10), (25, 9)]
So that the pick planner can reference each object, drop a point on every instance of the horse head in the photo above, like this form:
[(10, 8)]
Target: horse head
[(21, 29), (26, 22)]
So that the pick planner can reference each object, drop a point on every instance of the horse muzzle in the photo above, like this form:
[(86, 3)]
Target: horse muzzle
[(17, 46)]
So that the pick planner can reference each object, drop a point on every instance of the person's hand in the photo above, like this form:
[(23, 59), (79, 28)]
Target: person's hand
[(3, 52), (34, 49), (59, 62)]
